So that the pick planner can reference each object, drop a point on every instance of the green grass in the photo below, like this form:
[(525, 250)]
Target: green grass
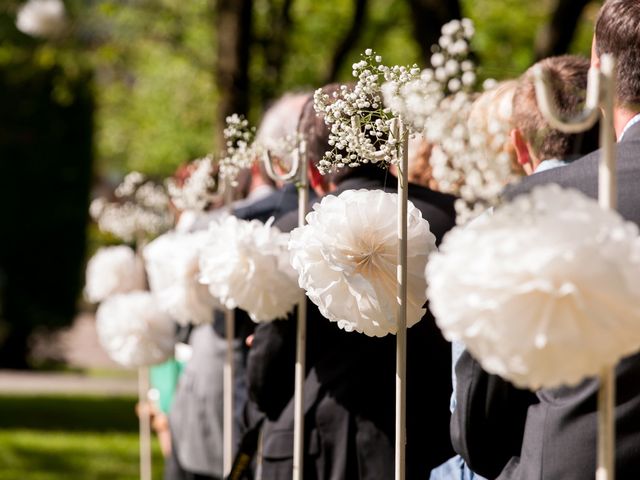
[(71, 437)]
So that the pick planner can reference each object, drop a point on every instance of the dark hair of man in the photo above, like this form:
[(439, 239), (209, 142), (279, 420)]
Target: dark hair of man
[(568, 77), (316, 133), (618, 33)]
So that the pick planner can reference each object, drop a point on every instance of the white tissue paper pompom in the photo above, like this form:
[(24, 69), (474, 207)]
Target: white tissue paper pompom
[(245, 265), (134, 331), (544, 292), (42, 18), (172, 267), (113, 270), (346, 258)]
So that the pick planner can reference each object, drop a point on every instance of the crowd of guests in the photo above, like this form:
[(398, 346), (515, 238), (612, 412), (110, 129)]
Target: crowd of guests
[(467, 425)]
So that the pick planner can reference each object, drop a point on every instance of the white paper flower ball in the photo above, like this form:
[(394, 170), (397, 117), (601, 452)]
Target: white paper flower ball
[(346, 259), (544, 292), (245, 265), (134, 331), (113, 270), (173, 270), (42, 18)]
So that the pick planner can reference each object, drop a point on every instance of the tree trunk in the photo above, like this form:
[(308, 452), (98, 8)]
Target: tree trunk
[(555, 37), (275, 47), (233, 27), (349, 39), (428, 16)]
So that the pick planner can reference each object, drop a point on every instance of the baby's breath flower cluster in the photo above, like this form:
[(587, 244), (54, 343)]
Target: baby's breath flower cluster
[(241, 151), (357, 117), (467, 160), (198, 190), (141, 209), (452, 72)]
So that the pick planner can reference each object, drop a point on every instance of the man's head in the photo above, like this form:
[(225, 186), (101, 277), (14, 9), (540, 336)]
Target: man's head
[(316, 134), (617, 32), (278, 123), (532, 137)]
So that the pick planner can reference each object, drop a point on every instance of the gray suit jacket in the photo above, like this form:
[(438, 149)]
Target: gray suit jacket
[(552, 436)]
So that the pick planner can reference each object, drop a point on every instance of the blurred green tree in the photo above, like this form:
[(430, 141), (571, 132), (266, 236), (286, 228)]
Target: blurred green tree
[(46, 142), (157, 78)]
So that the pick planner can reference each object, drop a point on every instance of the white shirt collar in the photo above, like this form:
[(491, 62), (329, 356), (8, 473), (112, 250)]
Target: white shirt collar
[(630, 124), (549, 164)]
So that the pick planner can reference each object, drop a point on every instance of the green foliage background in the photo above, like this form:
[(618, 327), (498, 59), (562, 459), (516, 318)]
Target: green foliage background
[(154, 62), (155, 90)]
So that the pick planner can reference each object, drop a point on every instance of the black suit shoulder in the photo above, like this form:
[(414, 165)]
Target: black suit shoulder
[(436, 207)]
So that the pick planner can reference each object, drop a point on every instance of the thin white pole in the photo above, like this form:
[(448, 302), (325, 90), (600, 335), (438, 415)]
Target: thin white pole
[(600, 100), (301, 332), (297, 174), (606, 425), (228, 403), (607, 197), (401, 336), (227, 374), (144, 423)]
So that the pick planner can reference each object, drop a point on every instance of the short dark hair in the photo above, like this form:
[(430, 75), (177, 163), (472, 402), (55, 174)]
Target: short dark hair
[(618, 33), (316, 133), (568, 77)]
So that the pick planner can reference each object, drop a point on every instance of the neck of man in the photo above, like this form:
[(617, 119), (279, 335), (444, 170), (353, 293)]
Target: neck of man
[(621, 117)]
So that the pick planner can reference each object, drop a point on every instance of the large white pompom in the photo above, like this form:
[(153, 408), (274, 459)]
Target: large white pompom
[(245, 264), (173, 270), (113, 270), (346, 258), (545, 292), (134, 331)]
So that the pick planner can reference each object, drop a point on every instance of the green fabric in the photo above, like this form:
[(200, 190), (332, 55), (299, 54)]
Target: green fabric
[(164, 378)]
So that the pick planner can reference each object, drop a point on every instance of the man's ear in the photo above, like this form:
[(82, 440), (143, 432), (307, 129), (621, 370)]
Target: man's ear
[(317, 180), (521, 147), (595, 59)]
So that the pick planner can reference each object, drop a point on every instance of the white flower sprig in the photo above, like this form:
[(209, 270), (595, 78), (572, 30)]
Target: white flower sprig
[(452, 72), (141, 209), (357, 117), (241, 151), (468, 158), (198, 189)]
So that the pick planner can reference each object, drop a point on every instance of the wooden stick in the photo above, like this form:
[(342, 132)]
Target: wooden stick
[(297, 174), (144, 418), (606, 425), (401, 336), (600, 98), (607, 197), (228, 371), (301, 336), (228, 386)]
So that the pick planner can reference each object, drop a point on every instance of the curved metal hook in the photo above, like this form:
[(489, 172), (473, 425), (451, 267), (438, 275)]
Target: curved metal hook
[(598, 84), (291, 175)]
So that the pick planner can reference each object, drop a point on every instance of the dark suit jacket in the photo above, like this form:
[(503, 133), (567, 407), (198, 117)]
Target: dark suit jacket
[(505, 433), (349, 389), (275, 205)]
